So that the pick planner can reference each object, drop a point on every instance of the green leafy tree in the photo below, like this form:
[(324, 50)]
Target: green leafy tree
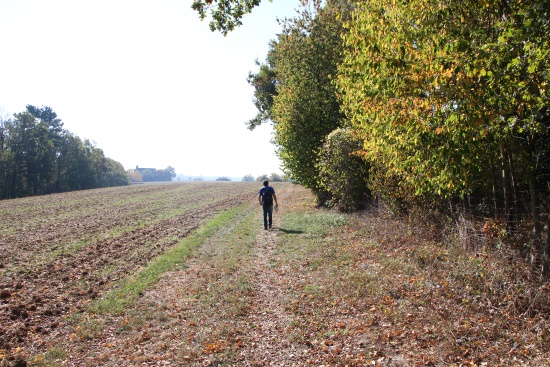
[(262, 178), (48, 137), (303, 107), (148, 175), (275, 177), (265, 90), (73, 165), (97, 164), (39, 157), (170, 173), (226, 14), (223, 178), (248, 178), (113, 174), (29, 146), (152, 175), (5, 154)]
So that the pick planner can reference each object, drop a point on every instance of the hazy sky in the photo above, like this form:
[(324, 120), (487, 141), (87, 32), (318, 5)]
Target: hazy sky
[(145, 79)]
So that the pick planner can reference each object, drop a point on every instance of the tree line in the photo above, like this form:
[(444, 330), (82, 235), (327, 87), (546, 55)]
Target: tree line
[(151, 174), (424, 103), (274, 177), (38, 156)]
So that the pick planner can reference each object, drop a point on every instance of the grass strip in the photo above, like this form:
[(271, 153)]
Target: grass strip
[(133, 285)]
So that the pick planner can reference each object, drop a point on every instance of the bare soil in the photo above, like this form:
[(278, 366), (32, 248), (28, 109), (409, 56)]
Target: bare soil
[(58, 252)]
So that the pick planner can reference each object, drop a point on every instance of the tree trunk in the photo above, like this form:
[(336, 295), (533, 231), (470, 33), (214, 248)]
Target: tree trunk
[(537, 226), (494, 186), (2, 139), (507, 187), (514, 189), (546, 250)]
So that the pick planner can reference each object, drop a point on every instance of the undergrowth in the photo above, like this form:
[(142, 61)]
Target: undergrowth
[(376, 290)]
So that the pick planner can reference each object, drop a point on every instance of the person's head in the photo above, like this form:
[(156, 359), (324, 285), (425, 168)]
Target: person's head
[(266, 182)]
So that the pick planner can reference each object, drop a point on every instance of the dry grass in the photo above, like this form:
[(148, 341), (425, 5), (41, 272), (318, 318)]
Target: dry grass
[(388, 296)]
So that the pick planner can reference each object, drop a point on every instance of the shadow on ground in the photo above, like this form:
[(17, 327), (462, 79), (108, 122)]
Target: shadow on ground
[(290, 231)]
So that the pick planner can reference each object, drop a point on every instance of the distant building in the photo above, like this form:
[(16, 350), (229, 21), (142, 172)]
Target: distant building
[(145, 169)]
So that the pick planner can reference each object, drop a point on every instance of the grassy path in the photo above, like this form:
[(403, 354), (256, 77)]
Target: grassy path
[(266, 325)]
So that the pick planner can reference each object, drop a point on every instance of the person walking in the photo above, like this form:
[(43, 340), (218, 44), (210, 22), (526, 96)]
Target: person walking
[(266, 197)]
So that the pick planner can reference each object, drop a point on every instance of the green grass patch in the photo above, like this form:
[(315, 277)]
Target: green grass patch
[(51, 358), (311, 225), (230, 256), (133, 286), (303, 235)]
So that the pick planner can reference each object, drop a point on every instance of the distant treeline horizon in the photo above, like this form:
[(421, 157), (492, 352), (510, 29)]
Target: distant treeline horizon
[(274, 177), (38, 156)]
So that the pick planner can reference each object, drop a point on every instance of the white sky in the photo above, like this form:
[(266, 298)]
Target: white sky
[(145, 79)]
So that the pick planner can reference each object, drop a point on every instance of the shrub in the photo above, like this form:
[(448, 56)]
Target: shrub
[(343, 173)]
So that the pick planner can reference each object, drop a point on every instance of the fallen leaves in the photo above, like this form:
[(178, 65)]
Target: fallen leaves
[(216, 346)]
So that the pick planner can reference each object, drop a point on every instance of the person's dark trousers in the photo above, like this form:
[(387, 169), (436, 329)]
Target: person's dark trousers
[(268, 216)]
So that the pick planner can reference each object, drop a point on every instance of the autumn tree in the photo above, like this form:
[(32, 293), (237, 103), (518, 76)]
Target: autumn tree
[(451, 98), (134, 176)]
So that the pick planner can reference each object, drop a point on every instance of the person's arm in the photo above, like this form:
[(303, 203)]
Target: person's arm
[(275, 198), (260, 197)]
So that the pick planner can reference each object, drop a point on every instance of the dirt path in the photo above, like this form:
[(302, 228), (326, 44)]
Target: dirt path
[(270, 345)]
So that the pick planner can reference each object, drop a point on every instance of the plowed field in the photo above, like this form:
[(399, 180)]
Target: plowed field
[(58, 252)]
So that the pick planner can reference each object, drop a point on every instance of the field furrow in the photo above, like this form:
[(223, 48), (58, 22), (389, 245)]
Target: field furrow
[(56, 257)]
